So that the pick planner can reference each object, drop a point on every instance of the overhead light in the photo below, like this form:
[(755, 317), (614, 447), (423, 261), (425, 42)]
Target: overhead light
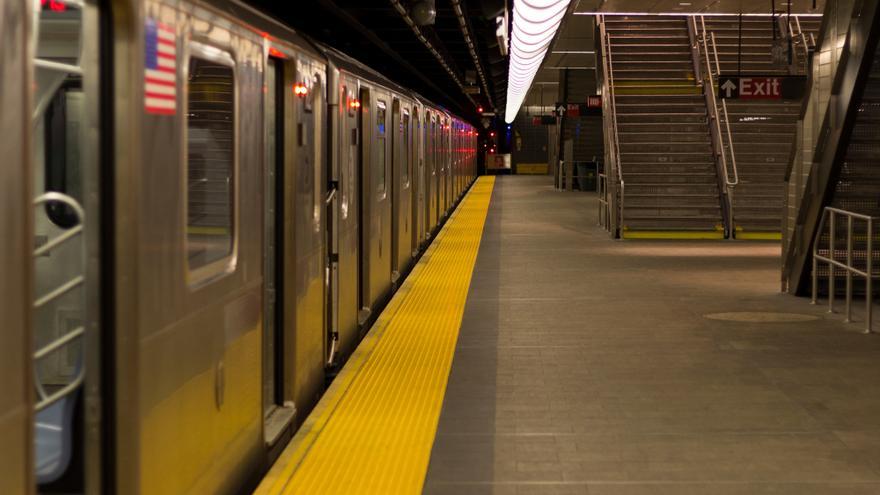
[(535, 23)]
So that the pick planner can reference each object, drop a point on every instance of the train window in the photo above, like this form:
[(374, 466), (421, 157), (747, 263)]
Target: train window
[(210, 148), (61, 134), (380, 143), (344, 164), (407, 146)]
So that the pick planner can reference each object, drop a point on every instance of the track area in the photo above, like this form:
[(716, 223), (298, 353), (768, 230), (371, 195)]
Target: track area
[(373, 430)]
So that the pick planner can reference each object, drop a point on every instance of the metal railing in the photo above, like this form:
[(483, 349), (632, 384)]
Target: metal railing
[(830, 214), (567, 180), (614, 196), (707, 40), (604, 211)]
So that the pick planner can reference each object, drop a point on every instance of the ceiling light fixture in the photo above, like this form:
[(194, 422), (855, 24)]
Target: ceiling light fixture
[(535, 23)]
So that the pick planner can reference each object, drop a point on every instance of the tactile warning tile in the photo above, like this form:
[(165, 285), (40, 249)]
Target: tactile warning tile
[(373, 430)]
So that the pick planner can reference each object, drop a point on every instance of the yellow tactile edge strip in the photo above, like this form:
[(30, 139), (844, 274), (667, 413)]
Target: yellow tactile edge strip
[(373, 429)]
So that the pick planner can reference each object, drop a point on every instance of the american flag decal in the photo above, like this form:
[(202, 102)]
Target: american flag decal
[(160, 69)]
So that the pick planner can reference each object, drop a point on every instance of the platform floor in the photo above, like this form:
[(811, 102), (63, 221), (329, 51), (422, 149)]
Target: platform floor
[(589, 366)]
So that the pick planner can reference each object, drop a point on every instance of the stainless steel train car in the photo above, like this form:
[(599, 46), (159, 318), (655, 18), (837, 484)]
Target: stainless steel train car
[(202, 213)]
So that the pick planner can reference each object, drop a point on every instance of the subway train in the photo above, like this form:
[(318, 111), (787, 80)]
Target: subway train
[(201, 213)]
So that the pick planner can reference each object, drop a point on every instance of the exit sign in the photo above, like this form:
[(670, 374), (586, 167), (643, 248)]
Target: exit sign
[(757, 87)]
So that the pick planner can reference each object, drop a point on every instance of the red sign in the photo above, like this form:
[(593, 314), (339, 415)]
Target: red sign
[(594, 102), (536, 120), (758, 87), (573, 110)]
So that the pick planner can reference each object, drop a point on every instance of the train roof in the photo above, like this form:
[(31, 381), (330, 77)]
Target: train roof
[(275, 29)]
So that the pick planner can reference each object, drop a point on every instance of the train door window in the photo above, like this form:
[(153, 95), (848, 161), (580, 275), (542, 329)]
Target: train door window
[(210, 160), (433, 149), (352, 147), (407, 146), (317, 92), (345, 152), (380, 143)]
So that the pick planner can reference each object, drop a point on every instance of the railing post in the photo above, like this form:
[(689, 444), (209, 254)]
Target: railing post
[(814, 299), (831, 265), (849, 245), (815, 280), (870, 278)]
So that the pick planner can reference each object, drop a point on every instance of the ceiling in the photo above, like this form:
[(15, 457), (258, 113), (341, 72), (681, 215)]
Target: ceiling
[(573, 48), (375, 32)]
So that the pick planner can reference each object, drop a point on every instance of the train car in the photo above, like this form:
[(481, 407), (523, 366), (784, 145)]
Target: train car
[(220, 207)]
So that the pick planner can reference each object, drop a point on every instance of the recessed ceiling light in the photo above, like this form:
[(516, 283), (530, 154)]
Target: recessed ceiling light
[(684, 4)]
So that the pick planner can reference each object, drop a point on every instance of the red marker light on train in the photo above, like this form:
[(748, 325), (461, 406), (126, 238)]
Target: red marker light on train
[(53, 5), (300, 89), (354, 104), (479, 109), (274, 52)]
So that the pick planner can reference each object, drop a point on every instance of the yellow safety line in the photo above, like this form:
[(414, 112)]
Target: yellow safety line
[(373, 430), (758, 236), (672, 234)]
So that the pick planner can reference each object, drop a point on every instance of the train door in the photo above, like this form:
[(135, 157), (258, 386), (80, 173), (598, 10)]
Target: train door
[(417, 166), (306, 260), (432, 190), (401, 230), (16, 242), (278, 410), (375, 200), (456, 154), (438, 166), (447, 160), (346, 224), (443, 167)]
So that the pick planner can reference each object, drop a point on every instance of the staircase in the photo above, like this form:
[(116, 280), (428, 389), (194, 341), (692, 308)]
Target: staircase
[(839, 167), (857, 188), (665, 151), (762, 132)]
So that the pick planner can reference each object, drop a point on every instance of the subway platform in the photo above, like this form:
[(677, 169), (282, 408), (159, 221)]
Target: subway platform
[(528, 353)]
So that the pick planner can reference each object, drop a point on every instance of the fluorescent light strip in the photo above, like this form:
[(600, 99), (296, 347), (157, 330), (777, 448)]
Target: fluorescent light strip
[(574, 52), (535, 23)]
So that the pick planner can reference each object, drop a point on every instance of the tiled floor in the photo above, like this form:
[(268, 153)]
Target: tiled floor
[(586, 365)]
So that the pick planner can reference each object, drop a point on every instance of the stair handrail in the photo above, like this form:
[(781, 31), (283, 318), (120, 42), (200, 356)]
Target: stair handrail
[(802, 39), (714, 107), (611, 104), (710, 55), (830, 214)]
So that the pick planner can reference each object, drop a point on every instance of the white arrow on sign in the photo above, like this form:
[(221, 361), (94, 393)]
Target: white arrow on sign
[(560, 110), (728, 88)]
